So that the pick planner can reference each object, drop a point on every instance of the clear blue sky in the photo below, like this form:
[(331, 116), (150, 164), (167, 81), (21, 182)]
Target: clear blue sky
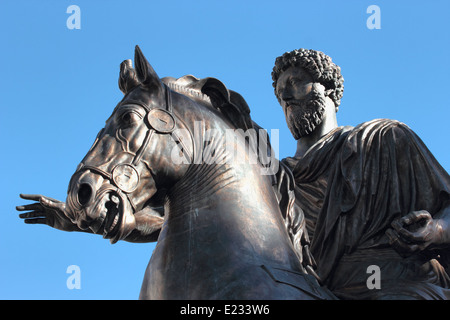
[(58, 86)]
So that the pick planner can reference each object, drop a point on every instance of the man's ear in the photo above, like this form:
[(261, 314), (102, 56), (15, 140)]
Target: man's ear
[(327, 94)]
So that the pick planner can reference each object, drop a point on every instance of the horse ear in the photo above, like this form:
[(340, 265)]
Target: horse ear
[(144, 70), (127, 77)]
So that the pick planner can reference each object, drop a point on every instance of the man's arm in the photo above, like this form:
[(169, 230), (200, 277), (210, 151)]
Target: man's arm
[(53, 213), (47, 211)]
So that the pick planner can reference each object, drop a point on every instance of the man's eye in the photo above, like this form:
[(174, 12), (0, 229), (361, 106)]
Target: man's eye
[(279, 91)]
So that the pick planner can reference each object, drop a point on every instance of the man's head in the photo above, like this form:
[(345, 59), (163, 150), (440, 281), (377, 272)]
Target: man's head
[(304, 80)]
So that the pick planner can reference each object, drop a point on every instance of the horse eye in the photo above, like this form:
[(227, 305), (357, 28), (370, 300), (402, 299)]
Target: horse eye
[(130, 117)]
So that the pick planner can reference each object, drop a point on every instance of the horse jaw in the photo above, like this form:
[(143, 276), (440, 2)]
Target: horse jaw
[(119, 220), (110, 214)]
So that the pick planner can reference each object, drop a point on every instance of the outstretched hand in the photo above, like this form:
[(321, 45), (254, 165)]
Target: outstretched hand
[(415, 232), (46, 211)]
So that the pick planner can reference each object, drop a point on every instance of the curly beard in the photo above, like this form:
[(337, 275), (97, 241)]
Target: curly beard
[(305, 115)]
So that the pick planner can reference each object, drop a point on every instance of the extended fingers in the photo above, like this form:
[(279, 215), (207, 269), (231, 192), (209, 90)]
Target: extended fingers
[(33, 206), (45, 201), (34, 217), (33, 197), (36, 221), (52, 203), (32, 214)]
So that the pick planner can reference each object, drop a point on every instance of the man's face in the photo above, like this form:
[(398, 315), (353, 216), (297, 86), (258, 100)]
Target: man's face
[(302, 99)]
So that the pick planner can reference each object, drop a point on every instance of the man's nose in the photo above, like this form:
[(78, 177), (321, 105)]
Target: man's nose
[(286, 94)]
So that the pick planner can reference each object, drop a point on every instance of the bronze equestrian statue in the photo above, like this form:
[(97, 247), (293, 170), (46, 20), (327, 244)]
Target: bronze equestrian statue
[(229, 224), (161, 170)]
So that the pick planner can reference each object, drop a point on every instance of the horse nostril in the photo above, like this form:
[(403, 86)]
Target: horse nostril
[(84, 194)]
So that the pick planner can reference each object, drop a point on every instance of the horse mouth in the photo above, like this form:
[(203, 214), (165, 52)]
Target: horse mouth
[(113, 219), (109, 210)]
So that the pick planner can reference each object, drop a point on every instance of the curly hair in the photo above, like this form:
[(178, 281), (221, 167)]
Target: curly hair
[(318, 65)]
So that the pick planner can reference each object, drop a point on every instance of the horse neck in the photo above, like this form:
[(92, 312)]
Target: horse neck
[(215, 173), (231, 208)]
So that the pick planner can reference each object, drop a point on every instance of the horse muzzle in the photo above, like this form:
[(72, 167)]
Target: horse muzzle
[(95, 203)]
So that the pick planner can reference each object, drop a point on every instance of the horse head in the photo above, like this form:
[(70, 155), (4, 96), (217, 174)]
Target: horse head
[(129, 165)]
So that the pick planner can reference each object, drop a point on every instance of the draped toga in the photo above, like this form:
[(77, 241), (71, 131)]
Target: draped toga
[(350, 186)]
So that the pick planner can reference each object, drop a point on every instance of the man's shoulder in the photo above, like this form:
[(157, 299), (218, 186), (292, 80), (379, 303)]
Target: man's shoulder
[(383, 129), (348, 139), (325, 148), (383, 124)]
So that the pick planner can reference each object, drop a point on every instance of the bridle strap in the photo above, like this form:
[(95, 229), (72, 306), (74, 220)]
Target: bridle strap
[(151, 130), (114, 177), (168, 100), (140, 153)]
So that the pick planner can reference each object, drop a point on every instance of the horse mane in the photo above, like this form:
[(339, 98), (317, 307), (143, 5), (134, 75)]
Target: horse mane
[(210, 91), (214, 94)]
